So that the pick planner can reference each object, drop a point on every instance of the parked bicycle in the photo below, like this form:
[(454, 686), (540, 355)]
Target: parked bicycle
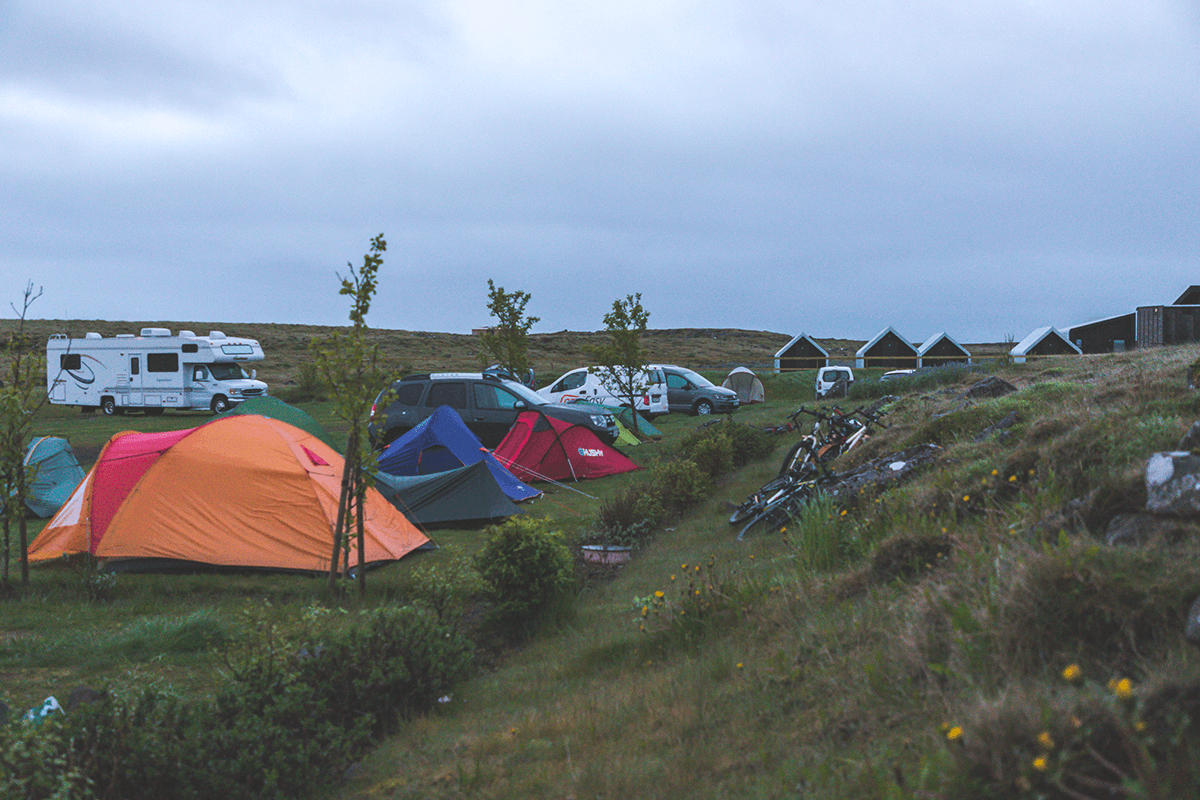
[(804, 472)]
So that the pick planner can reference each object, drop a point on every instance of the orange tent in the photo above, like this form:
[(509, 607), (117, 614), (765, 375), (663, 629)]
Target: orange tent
[(241, 491)]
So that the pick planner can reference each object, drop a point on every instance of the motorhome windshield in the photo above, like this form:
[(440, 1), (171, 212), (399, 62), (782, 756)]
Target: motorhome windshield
[(226, 372)]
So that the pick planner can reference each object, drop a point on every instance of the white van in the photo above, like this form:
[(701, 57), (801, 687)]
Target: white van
[(828, 376), (588, 384)]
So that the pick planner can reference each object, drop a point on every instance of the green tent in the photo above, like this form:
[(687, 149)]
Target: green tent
[(274, 408), (645, 430), (54, 473)]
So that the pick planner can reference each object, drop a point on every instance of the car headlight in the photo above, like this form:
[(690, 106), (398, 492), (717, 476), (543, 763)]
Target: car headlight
[(601, 421)]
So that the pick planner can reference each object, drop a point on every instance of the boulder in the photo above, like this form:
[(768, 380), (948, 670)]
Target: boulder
[(1192, 628), (1173, 484), (990, 387), (1138, 529), (1191, 439)]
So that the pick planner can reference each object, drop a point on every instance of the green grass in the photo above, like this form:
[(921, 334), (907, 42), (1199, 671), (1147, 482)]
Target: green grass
[(823, 662)]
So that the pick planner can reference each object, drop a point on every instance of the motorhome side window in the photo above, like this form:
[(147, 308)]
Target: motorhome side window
[(162, 362), (70, 361)]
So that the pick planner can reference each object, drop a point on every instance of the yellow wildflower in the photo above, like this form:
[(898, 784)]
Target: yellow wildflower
[(1041, 764), (995, 472), (844, 512), (954, 734), (1123, 689), (966, 498), (659, 593), (1139, 726), (1045, 740), (739, 666), (1072, 673), (1012, 478)]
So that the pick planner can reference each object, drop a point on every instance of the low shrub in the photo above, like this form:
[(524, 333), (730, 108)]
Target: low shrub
[(291, 718), (676, 484), (526, 568), (743, 443), (711, 450)]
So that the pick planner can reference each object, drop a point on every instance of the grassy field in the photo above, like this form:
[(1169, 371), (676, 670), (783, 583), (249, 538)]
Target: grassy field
[(885, 648)]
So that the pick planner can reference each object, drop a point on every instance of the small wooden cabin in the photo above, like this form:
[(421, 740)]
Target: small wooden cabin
[(1047, 341), (802, 352), (888, 350), (941, 349)]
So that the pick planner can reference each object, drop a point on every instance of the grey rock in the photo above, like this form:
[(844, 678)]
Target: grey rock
[(1191, 439), (1173, 484), (1192, 629), (1137, 529), (990, 387)]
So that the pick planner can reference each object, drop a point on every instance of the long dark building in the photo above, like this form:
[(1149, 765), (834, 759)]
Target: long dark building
[(1178, 323)]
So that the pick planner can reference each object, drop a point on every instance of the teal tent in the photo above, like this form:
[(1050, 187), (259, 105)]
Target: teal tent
[(53, 474), (274, 408)]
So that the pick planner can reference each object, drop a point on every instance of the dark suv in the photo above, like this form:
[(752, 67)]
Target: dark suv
[(487, 402)]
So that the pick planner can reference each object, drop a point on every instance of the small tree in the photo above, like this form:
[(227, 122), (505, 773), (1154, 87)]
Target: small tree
[(349, 366), (22, 395), (621, 362), (507, 342)]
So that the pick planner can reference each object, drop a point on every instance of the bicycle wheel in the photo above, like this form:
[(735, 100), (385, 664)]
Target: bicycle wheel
[(753, 504), (798, 460), (776, 514)]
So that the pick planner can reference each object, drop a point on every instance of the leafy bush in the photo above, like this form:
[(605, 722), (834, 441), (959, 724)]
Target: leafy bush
[(292, 718), (743, 443), (526, 567), (711, 450), (677, 484)]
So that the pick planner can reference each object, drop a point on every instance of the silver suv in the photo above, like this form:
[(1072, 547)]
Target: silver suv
[(487, 402)]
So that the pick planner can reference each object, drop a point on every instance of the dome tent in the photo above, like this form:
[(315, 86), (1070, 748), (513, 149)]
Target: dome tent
[(242, 491), (747, 385)]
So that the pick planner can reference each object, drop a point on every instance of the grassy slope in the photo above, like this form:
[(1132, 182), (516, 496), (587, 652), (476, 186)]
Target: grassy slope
[(817, 674), (822, 680)]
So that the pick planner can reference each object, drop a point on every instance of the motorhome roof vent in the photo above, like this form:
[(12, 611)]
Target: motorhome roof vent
[(216, 335), (187, 334), (156, 332), (92, 335)]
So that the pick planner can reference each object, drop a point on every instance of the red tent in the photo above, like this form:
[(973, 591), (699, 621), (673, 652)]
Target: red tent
[(539, 447)]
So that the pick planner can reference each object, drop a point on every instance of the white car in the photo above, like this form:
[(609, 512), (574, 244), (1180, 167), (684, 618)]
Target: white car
[(895, 374), (827, 377), (587, 384)]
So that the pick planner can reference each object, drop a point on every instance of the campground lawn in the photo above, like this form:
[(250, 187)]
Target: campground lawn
[(918, 643)]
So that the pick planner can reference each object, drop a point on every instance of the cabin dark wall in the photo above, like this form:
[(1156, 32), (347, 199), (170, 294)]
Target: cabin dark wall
[(1104, 336), (891, 352)]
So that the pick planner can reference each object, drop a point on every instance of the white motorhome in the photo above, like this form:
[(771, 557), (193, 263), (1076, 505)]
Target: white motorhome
[(588, 384), (151, 372)]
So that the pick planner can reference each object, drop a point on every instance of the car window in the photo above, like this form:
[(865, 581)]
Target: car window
[(572, 381), (447, 394), (677, 381), (409, 394)]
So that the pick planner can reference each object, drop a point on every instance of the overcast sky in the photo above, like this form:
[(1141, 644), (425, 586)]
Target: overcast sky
[(822, 166)]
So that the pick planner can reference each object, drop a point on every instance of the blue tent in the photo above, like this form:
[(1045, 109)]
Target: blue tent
[(54, 474), (443, 442)]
